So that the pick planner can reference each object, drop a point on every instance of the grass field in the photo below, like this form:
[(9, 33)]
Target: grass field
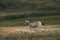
[(14, 12), (48, 32), (48, 20)]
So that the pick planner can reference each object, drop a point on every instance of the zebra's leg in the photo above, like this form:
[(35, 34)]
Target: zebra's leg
[(30, 26), (33, 27)]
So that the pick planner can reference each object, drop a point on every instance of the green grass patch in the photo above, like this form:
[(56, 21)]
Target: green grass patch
[(47, 20)]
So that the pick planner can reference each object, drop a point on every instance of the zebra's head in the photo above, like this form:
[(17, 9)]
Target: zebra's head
[(27, 22)]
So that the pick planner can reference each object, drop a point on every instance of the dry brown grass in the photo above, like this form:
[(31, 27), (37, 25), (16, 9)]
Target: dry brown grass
[(9, 30), (26, 33)]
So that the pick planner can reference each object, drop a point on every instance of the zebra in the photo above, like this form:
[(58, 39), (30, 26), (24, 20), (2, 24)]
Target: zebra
[(33, 24)]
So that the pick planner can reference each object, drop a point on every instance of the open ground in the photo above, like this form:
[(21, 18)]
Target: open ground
[(47, 32), (28, 29)]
